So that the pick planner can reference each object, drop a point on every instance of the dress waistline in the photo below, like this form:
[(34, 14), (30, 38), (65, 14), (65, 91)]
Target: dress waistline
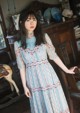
[(36, 63)]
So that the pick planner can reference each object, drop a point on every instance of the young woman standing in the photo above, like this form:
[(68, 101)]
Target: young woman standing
[(39, 79)]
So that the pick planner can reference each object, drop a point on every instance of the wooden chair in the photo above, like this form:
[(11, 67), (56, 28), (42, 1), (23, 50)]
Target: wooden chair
[(74, 90)]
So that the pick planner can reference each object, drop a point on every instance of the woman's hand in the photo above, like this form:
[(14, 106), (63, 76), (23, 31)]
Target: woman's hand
[(72, 70), (27, 92)]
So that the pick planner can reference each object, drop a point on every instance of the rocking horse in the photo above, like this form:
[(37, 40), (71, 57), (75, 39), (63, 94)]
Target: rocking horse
[(6, 72)]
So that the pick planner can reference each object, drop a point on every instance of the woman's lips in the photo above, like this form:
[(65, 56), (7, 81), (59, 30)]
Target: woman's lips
[(32, 27)]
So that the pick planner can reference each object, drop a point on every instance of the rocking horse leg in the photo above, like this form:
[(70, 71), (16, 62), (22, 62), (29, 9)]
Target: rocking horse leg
[(14, 84), (12, 88), (16, 88)]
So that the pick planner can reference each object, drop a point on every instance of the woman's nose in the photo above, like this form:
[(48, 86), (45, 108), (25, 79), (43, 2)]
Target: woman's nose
[(31, 21)]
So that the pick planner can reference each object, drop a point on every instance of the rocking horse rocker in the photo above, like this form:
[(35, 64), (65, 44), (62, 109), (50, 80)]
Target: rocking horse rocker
[(6, 72)]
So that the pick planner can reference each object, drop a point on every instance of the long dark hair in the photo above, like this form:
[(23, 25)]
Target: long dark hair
[(21, 36)]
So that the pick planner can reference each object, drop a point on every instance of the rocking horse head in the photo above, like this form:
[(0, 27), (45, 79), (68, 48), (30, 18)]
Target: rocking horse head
[(6, 72)]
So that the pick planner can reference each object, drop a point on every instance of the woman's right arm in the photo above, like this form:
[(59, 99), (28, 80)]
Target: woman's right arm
[(23, 79), (21, 67)]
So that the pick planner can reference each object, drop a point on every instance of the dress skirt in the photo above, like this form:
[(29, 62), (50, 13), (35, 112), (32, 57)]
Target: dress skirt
[(47, 95)]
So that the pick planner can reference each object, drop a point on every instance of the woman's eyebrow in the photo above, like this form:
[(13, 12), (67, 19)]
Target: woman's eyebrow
[(31, 17)]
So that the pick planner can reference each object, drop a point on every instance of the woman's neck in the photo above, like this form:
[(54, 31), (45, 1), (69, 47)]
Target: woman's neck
[(30, 34)]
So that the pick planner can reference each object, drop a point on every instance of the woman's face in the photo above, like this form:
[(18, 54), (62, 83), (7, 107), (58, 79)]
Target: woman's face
[(30, 23)]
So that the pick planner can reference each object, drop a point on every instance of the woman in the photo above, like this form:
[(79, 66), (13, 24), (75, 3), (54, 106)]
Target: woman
[(39, 79)]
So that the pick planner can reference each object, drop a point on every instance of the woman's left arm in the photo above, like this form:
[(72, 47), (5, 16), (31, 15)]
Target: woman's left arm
[(59, 62)]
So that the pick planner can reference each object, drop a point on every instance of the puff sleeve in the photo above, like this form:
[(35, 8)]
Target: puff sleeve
[(50, 48), (19, 59)]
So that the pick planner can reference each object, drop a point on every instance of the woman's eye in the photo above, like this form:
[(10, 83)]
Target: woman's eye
[(28, 19), (34, 19)]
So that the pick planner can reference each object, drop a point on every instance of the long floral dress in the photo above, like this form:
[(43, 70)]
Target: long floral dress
[(47, 95)]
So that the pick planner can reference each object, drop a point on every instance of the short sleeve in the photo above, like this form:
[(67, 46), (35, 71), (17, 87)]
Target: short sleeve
[(19, 59), (50, 48)]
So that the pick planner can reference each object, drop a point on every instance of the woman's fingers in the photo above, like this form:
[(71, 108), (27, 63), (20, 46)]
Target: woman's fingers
[(27, 93), (73, 69)]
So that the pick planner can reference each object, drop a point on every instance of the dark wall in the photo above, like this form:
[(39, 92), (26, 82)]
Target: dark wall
[(74, 7)]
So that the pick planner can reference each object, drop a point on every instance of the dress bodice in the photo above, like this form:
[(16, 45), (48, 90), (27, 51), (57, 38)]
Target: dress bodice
[(34, 53), (31, 42)]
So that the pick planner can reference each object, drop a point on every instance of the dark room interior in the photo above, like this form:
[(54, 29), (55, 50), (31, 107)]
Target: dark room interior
[(65, 36)]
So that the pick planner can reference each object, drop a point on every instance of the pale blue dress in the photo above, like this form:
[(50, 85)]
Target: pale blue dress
[(47, 95)]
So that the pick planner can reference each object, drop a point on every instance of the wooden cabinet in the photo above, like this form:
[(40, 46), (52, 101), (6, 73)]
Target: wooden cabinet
[(63, 38)]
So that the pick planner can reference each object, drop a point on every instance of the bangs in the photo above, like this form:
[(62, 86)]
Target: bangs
[(31, 16), (24, 16)]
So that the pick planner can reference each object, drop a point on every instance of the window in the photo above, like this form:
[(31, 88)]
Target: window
[(3, 44), (2, 39)]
